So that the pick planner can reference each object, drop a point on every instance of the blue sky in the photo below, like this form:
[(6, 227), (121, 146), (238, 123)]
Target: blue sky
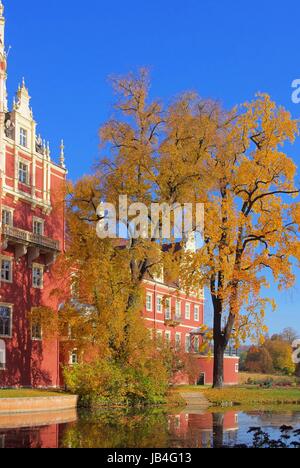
[(66, 50)]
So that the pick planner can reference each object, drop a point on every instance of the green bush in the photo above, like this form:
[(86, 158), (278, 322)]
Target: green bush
[(108, 383)]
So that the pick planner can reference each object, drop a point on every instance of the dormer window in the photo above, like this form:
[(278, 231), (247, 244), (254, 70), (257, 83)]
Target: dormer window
[(23, 173), (23, 137)]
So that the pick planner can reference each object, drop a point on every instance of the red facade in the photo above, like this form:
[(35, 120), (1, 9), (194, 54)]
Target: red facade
[(175, 317), (32, 234)]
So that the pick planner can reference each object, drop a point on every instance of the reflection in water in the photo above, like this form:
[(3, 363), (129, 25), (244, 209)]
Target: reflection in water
[(148, 429)]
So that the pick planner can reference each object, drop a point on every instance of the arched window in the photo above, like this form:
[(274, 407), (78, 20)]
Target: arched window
[(2, 355)]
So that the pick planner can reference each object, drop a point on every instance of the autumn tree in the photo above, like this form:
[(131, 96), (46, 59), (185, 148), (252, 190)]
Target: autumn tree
[(251, 212), (195, 152), (289, 335), (281, 354), (259, 360)]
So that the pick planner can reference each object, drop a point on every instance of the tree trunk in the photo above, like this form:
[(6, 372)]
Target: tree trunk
[(218, 430), (218, 362)]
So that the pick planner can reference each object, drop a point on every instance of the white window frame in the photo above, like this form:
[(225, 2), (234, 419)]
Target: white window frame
[(11, 214), (2, 355), (23, 171), (178, 310), (187, 309), (10, 307), (237, 368), (37, 266), (10, 261), (178, 341), (159, 305), (168, 337), (74, 353), (168, 308), (35, 338), (149, 306), (197, 314), (188, 344), (23, 137), (40, 221)]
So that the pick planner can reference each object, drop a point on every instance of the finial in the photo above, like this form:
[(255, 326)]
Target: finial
[(62, 154), (1, 9)]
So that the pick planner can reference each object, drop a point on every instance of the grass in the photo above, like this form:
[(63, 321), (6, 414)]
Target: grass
[(245, 376), (252, 396), (249, 396), (24, 393)]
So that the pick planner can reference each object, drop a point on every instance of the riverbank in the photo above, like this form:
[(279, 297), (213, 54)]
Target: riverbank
[(31, 401), (244, 395), (28, 393)]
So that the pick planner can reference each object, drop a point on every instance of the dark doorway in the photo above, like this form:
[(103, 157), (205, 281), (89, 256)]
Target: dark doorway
[(201, 380)]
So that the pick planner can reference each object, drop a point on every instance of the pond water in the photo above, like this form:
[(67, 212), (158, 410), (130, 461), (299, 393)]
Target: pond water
[(148, 429)]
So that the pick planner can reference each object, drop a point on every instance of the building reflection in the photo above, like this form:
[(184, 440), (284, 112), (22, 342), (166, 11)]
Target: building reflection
[(189, 429), (203, 430), (34, 430)]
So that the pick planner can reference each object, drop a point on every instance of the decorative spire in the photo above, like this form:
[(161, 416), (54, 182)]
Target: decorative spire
[(62, 154), (22, 103)]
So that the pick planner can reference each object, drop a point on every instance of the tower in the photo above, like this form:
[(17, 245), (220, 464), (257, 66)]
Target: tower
[(32, 235), (3, 96)]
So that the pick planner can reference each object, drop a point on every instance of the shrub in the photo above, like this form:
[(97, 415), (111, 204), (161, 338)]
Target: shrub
[(104, 382)]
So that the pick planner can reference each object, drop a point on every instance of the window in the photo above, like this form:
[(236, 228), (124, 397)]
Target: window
[(177, 422), (2, 355), (74, 358), (36, 330), (149, 302), (168, 309), (23, 173), (159, 305), (74, 287), (23, 137), (159, 335), (38, 227), (187, 343), (196, 313), (237, 368), (178, 341), (5, 321), (178, 310), (6, 270), (196, 344), (37, 276), (168, 337), (187, 311), (7, 217)]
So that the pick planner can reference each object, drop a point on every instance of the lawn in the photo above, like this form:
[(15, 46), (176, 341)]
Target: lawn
[(244, 378), (24, 393), (246, 395), (252, 396)]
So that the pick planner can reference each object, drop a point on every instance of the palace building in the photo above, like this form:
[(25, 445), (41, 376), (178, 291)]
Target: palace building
[(33, 234), (178, 319)]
